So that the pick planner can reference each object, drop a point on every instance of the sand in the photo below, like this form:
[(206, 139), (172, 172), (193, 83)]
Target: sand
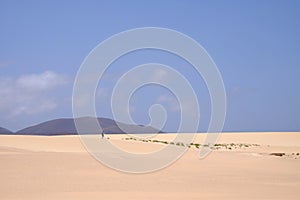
[(58, 167)]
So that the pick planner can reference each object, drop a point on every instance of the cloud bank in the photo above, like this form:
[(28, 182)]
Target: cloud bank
[(30, 94)]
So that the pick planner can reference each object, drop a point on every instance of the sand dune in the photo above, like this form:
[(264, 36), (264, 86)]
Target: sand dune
[(41, 167)]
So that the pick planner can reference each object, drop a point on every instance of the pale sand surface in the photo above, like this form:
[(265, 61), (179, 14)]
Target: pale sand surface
[(58, 167)]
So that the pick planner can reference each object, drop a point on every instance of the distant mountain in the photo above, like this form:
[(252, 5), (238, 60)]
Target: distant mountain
[(4, 131), (67, 127)]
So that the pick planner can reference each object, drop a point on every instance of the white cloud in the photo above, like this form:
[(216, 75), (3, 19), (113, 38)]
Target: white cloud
[(171, 101), (28, 109), (46, 80), (30, 94), (160, 75)]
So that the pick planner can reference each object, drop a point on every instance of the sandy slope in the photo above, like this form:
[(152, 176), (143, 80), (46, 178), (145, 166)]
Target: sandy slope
[(37, 167)]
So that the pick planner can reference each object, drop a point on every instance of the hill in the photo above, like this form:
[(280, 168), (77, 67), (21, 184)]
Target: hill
[(67, 127), (5, 131)]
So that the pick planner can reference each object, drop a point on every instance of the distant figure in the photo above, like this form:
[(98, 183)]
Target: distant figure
[(102, 133)]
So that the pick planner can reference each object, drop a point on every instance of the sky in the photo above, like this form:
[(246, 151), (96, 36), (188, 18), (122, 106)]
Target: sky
[(254, 44)]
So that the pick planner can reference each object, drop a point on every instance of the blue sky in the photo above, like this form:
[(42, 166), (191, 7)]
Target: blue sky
[(255, 45)]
